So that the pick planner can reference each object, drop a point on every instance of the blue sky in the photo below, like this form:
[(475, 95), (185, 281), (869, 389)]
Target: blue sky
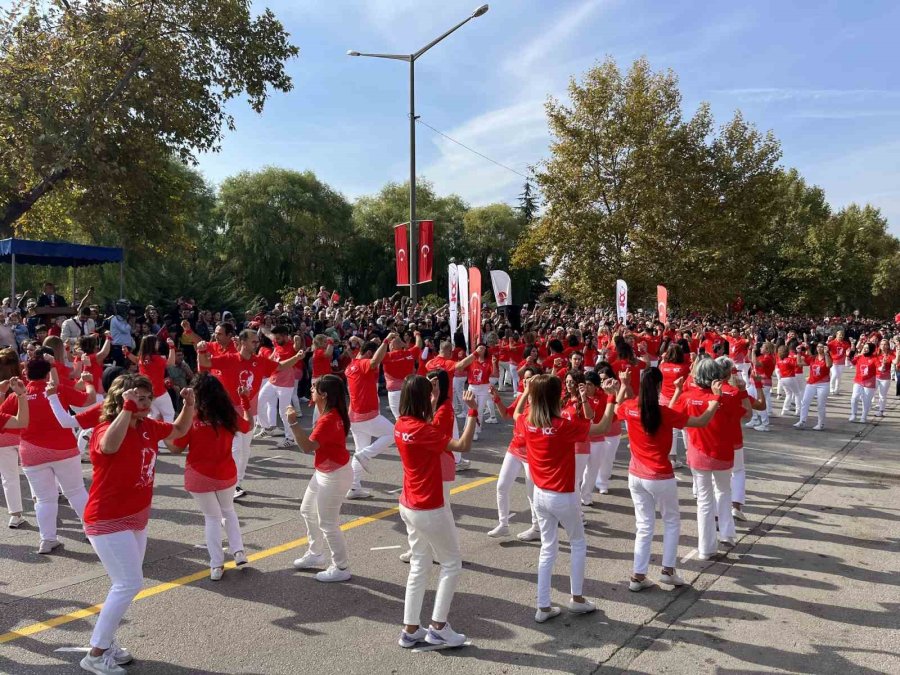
[(822, 75)]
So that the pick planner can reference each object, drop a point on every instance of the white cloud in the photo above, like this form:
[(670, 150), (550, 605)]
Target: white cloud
[(778, 94)]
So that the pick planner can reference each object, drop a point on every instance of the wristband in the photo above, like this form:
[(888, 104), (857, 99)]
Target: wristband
[(130, 406), (473, 413), (497, 400)]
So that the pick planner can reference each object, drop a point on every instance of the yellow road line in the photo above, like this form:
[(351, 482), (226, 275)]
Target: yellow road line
[(41, 626)]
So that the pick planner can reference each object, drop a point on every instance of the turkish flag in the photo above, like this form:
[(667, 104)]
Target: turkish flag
[(401, 246), (475, 305), (662, 303), (426, 250)]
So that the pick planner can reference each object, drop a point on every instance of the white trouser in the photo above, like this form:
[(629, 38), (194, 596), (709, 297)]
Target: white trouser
[(509, 374), (240, 451), (673, 452), (275, 400), (792, 394), (370, 438), (122, 555), (553, 509), (648, 496), (162, 409), (738, 478), (43, 480), (866, 394), (592, 468), (484, 401), (216, 507), (321, 511), (509, 471), (394, 404), (761, 416), (607, 457), (9, 472), (836, 371), (744, 370), (432, 536), (820, 393), (581, 465), (459, 386), (713, 501), (883, 387)]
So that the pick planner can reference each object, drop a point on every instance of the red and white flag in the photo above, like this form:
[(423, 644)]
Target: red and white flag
[(453, 298), (463, 280), (401, 253), (426, 250), (475, 305), (662, 303), (621, 300), (502, 288)]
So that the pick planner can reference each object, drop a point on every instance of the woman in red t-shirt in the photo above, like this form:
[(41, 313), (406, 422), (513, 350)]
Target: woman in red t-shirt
[(332, 478), (124, 447), (786, 366), (651, 478), (550, 440), (210, 473), (515, 459), (817, 386), (866, 364), (570, 408), (675, 366), (86, 346), (885, 359), (429, 525), (9, 457), (153, 366)]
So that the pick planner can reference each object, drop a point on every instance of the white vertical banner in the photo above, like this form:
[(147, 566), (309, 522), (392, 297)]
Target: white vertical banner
[(621, 300), (502, 288), (453, 299), (463, 280)]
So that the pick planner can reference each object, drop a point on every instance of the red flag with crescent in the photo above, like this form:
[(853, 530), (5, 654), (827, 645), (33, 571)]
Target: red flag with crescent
[(426, 250), (475, 305), (401, 253)]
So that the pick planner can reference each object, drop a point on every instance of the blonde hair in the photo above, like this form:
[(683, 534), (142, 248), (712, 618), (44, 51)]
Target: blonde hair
[(112, 404), (9, 364), (57, 345), (544, 392), (320, 341)]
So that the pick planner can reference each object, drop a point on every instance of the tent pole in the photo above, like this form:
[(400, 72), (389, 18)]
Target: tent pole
[(12, 284)]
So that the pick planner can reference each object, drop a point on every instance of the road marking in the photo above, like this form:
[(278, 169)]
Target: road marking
[(385, 548), (269, 459), (689, 556), (63, 619)]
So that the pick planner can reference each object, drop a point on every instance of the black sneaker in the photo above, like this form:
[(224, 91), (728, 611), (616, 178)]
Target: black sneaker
[(239, 492)]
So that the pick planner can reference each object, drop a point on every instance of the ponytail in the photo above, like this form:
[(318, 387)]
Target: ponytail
[(651, 414)]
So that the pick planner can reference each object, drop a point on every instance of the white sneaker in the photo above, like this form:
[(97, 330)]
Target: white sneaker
[(541, 616), (671, 579), (634, 585), (491, 420), (308, 561), (121, 655), (48, 545), (879, 413), (463, 465), (728, 541), (333, 573), (604, 491), (762, 427), (363, 461), (585, 607), (533, 533), (406, 557), (863, 420), (852, 418), (819, 427), (751, 424), (359, 493), (215, 574), (239, 492), (15, 521), (240, 559), (499, 531), (737, 514), (286, 443), (105, 664), (263, 433), (799, 425), (410, 640), (444, 636)]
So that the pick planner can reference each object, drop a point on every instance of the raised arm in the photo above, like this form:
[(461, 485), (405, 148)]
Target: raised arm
[(466, 362), (185, 417), (382, 350), (20, 421), (290, 362), (115, 434), (610, 386), (103, 354), (305, 443), (711, 407), (464, 443), (170, 359)]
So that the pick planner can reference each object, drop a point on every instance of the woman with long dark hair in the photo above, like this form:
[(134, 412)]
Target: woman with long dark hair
[(333, 476), (651, 478), (429, 524), (210, 473), (153, 366)]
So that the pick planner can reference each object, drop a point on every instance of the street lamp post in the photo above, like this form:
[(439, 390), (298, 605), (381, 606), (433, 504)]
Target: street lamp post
[(411, 59)]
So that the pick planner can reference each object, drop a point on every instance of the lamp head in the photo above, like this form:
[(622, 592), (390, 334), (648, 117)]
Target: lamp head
[(480, 11), (352, 52)]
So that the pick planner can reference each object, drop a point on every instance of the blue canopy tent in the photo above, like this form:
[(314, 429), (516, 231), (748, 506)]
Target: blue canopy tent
[(59, 254)]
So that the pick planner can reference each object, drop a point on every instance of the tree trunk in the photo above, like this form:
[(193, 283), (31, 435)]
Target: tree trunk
[(21, 204)]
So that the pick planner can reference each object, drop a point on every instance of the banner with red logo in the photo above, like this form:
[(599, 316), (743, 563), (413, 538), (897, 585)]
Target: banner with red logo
[(475, 305), (662, 303), (426, 250), (621, 300), (502, 288), (453, 298), (401, 253), (463, 280)]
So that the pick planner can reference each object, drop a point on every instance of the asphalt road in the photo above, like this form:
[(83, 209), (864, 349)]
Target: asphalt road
[(811, 587)]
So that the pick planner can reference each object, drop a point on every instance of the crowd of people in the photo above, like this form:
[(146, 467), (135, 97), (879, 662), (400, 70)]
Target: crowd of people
[(131, 384)]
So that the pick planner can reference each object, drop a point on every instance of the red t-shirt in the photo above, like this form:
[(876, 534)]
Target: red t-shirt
[(738, 348), (44, 440), (884, 366), (838, 350), (421, 445), (95, 368), (235, 371), (445, 419), (89, 417), (362, 381), (670, 373), (650, 452), (286, 376), (818, 370), (321, 364), (551, 452), (620, 366), (215, 349), (517, 442), (866, 367), (479, 372), (331, 436), (448, 365), (154, 367), (711, 448), (398, 365), (765, 366), (787, 367), (209, 466), (122, 489)]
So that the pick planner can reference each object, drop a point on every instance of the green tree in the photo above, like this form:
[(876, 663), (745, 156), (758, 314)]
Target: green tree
[(528, 203), (96, 96), (283, 227)]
